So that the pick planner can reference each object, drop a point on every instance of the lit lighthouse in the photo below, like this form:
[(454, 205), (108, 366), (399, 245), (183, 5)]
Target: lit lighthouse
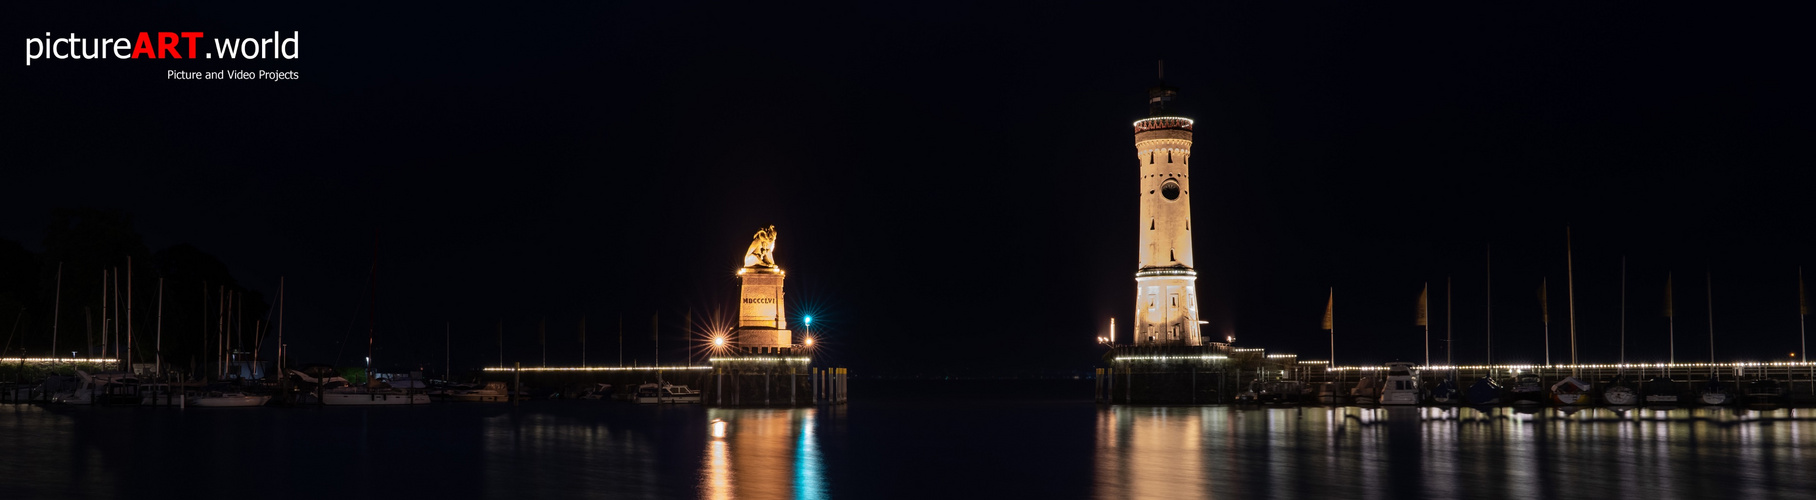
[(1166, 298)]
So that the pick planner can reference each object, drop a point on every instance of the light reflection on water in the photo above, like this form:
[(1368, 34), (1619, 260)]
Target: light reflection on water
[(1379, 453), (763, 453), (905, 449)]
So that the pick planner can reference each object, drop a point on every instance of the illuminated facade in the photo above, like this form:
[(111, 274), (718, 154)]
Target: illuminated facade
[(1166, 298)]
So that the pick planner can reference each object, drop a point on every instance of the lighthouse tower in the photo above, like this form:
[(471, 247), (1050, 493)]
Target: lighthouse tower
[(1166, 298)]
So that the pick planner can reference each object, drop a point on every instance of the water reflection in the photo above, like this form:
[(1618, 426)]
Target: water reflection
[(763, 453), (1367, 453)]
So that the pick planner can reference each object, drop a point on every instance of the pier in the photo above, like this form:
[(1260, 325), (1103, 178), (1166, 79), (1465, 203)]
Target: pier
[(1216, 374)]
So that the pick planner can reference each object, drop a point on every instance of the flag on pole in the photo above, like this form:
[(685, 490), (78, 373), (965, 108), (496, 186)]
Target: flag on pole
[(1667, 295), (1544, 305), (1422, 311), (1329, 306)]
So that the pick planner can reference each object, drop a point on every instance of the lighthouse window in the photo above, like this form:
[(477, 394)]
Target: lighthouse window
[(1169, 156), (1170, 190), (1150, 157)]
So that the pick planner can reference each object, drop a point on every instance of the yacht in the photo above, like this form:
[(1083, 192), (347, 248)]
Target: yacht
[(1571, 391), (1402, 387), (1327, 393), (666, 393), (1527, 389)]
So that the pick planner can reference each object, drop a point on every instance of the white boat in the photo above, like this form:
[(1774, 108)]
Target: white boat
[(491, 392), (666, 393), (1402, 386), (1570, 391), (228, 399)]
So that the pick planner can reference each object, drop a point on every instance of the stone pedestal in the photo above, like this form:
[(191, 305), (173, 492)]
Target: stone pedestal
[(762, 313)]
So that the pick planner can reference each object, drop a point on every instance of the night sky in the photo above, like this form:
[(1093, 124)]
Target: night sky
[(949, 181)]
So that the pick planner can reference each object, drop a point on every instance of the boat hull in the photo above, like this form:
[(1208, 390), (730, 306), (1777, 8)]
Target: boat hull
[(373, 399), (1620, 396), (229, 401), (1715, 398)]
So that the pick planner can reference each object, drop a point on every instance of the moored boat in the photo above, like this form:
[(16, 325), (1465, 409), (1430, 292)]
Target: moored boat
[(1485, 391), (1764, 392), (1570, 391), (1402, 386), (491, 392), (1445, 392), (1713, 393), (1527, 390), (1619, 394), (1366, 392), (1661, 391), (666, 393), (228, 399)]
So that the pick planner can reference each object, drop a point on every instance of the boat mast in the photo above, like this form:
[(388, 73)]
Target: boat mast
[(372, 322), (1570, 275), (1803, 310), (280, 325), (56, 309), (1488, 292), (128, 357), (1709, 279), (1670, 325), (160, 345), (1545, 316), (1449, 348), (1623, 368), (1424, 319)]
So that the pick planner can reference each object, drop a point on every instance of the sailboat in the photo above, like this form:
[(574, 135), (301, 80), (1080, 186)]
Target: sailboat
[(375, 392), (1662, 390), (1713, 393), (1571, 391), (1617, 393), (1486, 391)]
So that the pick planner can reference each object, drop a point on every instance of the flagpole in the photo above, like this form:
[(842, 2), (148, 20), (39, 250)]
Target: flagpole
[(1670, 324), (1623, 369), (1545, 314), (1424, 314), (1488, 291), (1450, 357)]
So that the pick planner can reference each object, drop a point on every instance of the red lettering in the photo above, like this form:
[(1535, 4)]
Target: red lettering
[(143, 46), (191, 36), (167, 44)]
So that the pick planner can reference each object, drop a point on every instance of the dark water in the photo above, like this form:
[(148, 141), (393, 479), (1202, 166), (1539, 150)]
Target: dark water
[(933, 440)]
